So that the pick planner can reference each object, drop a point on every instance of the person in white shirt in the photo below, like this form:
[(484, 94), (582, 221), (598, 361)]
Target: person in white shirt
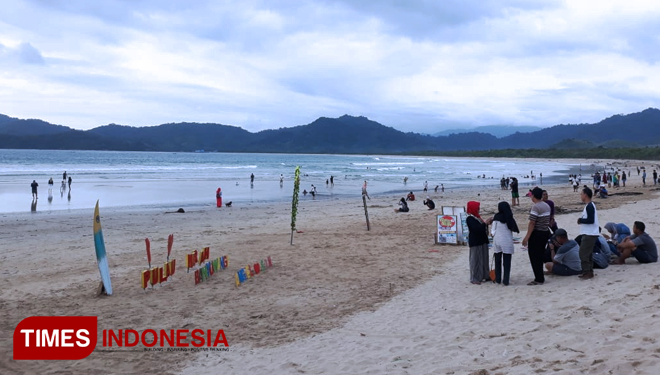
[(503, 226), (588, 222)]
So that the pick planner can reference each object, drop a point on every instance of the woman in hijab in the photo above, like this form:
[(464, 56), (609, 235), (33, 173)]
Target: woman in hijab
[(403, 206), (503, 227), (617, 231), (478, 242)]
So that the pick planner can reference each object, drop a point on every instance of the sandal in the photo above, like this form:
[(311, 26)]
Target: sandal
[(476, 282), (534, 283)]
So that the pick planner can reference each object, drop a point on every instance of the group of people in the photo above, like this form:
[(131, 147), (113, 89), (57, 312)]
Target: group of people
[(34, 185), (611, 180), (548, 246), (403, 203)]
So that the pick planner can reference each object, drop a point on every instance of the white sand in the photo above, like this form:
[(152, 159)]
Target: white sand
[(415, 307), (608, 325)]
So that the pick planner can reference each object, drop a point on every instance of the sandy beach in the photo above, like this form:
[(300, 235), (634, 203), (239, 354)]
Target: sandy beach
[(341, 299)]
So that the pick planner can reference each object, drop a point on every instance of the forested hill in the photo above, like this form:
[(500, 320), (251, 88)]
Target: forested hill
[(346, 134)]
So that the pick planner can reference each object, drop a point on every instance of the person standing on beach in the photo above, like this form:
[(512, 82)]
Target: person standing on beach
[(514, 192), (643, 177), (623, 178), (553, 225), (538, 233), (503, 226), (332, 180), (64, 176), (588, 222), (426, 186), (252, 178), (69, 183), (50, 185), (34, 185), (442, 188), (478, 242), (655, 177)]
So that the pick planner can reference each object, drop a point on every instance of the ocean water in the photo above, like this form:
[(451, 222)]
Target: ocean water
[(170, 180)]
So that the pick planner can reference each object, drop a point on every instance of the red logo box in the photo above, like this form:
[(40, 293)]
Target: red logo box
[(55, 337)]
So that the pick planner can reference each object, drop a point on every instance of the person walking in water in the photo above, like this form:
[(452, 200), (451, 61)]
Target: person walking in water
[(50, 185), (64, 176), (34, 189)]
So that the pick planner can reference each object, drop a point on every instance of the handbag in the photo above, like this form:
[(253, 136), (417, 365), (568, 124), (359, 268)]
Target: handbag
[(492, 269)]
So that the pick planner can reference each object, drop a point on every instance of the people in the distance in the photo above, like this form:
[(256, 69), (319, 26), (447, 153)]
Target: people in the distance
[(503, 226), (403, 206), (34, 185), (565, 258), (478, 242), (640, 245), (429, 203), (410, 196)]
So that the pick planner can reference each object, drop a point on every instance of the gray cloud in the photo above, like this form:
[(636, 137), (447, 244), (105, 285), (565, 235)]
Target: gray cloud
[(415, 65)]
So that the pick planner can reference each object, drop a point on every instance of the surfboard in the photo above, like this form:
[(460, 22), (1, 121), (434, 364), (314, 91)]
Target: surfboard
[(101, 257)]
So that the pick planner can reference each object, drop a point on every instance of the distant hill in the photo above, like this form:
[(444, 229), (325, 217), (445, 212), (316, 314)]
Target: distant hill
[(498, 131), (346, 134)]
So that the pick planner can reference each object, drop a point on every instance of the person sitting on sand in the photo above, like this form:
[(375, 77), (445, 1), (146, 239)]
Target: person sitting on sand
[(602, 192), (410, 196), (618, 232), (429, 203), (640, 245), (566, 258), (403, 206)]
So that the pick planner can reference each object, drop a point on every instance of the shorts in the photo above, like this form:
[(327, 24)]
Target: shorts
[(642, 256), (514, 195), (563, 270)]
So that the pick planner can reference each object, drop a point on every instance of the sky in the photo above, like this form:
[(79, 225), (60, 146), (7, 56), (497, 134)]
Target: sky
[(420, 66)]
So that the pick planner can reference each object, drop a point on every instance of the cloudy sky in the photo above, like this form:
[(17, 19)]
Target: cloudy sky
[(415, 65)]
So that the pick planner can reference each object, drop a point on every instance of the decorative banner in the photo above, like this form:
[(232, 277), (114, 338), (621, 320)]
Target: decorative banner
[(294, 201), (209, 268), (249, 271), (157, 275), (191, 260), (447, 228), (170, 241)]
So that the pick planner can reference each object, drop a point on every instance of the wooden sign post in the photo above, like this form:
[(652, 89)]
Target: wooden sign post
[(366, 213)]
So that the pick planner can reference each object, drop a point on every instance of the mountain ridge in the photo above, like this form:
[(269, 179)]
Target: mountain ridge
[(345, 134)]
